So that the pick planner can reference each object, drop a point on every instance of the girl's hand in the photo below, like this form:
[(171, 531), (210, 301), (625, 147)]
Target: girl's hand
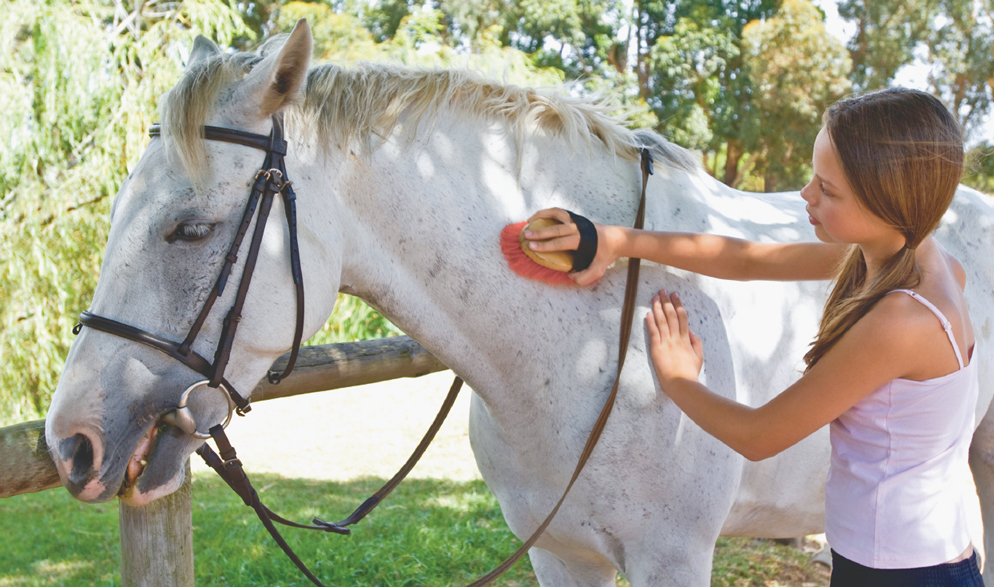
[(677, 353), (566, 237)]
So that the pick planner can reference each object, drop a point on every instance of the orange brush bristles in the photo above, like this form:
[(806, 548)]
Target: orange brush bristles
[(519, 262)]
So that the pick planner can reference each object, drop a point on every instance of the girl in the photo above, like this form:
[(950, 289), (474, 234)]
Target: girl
[(891, 369)]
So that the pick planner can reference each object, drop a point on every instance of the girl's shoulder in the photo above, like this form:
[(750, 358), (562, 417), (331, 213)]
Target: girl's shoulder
[(920, 348), (927, 322)]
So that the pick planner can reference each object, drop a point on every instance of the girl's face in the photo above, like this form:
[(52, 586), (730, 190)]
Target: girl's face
[(832, 207)]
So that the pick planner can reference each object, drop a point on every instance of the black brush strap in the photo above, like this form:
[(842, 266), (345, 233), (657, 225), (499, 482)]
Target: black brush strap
[(587, 250)]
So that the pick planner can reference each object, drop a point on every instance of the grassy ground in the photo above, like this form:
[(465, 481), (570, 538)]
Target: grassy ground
[(431, 532), (440, 527)]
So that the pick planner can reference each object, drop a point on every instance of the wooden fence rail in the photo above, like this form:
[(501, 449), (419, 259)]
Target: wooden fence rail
[(157, 539)]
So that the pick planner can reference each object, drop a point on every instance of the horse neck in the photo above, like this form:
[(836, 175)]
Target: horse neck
[(423, 245)]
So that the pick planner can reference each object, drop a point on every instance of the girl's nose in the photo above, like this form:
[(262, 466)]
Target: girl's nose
[(808, 191)]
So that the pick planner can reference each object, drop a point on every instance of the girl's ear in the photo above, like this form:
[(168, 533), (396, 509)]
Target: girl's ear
[(277, 80)]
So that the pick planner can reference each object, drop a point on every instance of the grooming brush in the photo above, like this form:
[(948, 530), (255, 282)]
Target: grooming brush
[(550, 268)]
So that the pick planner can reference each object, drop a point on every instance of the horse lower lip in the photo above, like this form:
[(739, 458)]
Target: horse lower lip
[(138, 460)]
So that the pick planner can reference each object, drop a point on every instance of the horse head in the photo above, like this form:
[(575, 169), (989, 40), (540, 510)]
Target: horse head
[(112, 427)]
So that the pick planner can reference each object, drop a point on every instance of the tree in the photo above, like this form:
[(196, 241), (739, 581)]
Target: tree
[(797, 70), (336, 35), (887, 34), (979, 172), (684, 73), (961, 53), (691, 71), (953, 39), (78, 87)]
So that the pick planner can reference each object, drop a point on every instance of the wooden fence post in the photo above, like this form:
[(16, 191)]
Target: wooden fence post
[(157, 541)]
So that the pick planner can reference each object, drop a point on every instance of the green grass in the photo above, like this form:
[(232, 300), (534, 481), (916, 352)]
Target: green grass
[(430, 532), (747, 562)]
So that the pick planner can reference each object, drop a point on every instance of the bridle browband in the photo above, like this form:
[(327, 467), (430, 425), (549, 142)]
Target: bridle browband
[(271, 180)]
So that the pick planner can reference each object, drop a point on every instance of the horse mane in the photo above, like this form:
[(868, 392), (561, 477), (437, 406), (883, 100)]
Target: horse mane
[(349, 105)]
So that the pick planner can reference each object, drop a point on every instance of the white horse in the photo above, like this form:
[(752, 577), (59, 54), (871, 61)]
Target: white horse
[(404, 180)]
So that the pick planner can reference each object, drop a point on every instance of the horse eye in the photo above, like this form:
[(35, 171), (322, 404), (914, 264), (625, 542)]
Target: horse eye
[(191, 231)]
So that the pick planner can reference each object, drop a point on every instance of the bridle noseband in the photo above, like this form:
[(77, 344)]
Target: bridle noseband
[(269, 181)]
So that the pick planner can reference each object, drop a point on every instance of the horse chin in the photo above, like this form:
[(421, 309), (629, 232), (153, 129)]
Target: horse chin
[(135, 497), (156, 468)]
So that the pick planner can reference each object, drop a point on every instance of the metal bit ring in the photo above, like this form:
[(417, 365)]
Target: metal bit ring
[(183, 419)]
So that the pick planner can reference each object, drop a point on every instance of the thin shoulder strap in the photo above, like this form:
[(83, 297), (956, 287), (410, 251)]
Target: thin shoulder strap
[(942, 319)]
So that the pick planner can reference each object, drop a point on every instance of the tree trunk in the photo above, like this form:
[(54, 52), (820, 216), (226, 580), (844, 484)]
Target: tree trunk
[(734, 151), (770, 181), (641, 67)]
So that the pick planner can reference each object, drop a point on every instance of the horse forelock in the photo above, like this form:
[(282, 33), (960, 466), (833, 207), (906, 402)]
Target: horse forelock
[(349, 105), (184, 109)]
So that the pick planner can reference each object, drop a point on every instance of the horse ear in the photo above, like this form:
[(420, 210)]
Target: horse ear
[(276, 80), (203, 48)]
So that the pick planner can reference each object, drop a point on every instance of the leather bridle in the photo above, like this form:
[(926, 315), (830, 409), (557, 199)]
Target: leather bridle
[(271, 180)]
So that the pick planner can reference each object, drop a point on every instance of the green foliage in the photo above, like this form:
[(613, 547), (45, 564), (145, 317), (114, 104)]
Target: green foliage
[(960, 53), (420, 39), (797, 70), (78, 84), (336, 36), (685, 76), (353, 320), (979, 172), (746, 562), (887, 33), (953, 38), (430, 532)]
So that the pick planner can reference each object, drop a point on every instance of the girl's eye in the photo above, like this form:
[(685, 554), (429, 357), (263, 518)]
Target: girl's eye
[(823, 190), (191, 231)]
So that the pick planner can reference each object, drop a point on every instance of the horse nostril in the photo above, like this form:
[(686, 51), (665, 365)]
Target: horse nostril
[(78, 450)]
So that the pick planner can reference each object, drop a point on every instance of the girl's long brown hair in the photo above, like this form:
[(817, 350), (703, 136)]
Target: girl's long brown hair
[(902, 154)]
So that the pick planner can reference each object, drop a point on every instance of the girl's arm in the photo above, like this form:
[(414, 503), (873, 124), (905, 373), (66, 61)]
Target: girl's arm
[(880, 347), (712, 255)]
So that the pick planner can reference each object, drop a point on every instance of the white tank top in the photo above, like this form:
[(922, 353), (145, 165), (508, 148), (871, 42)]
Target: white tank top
[(895, 494)]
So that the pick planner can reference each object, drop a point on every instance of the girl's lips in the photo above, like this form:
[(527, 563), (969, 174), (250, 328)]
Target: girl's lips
[(812, 220)]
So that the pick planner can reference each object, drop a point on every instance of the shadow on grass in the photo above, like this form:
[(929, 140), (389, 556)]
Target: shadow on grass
[(428, 532)]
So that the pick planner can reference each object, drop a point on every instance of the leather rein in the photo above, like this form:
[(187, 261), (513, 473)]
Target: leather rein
[(269, 181)]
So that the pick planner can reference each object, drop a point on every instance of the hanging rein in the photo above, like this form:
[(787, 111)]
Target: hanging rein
[(271, 180)]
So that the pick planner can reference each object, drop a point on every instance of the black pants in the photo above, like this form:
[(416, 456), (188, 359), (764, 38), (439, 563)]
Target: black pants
[(965, 573)]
